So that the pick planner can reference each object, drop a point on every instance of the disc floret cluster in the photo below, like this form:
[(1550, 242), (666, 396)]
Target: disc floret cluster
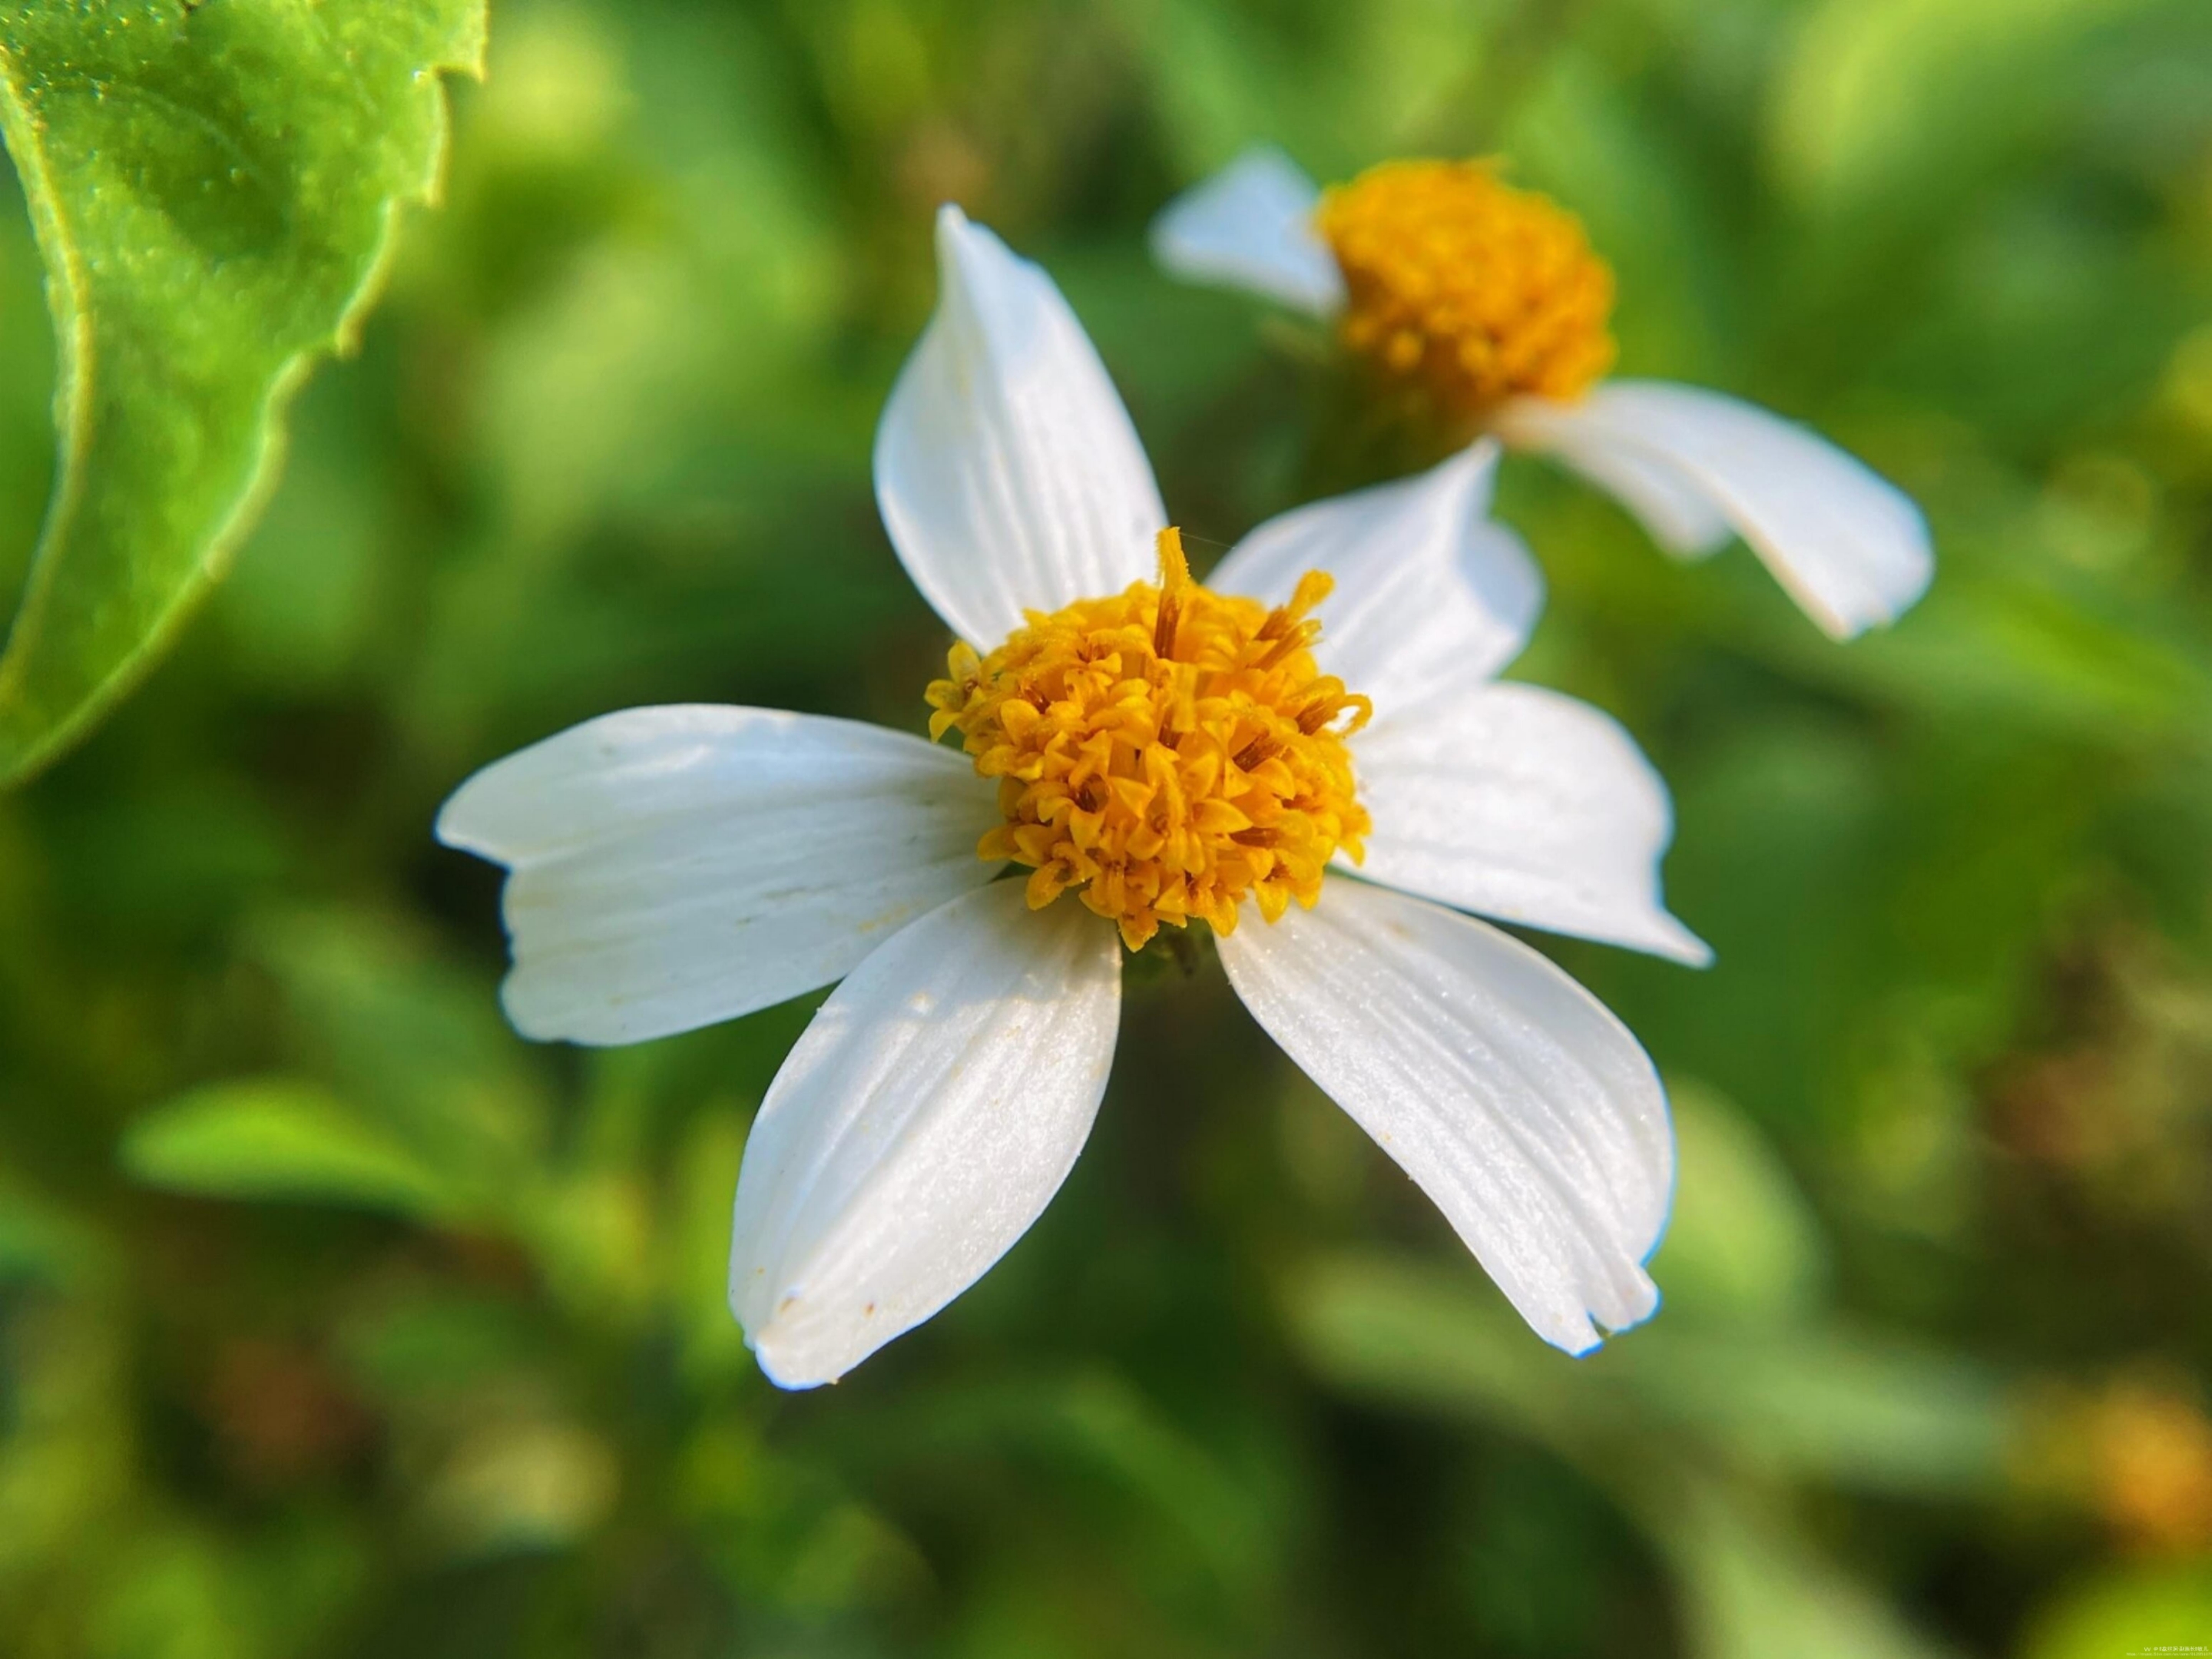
[(1458, 281), (1164, 752)]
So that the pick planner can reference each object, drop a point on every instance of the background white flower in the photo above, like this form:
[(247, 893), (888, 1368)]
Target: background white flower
[(1694, 465), (674, 866)]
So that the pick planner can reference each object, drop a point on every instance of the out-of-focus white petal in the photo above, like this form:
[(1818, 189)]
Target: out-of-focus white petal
[(676, 866), (920, 1126), (1006, 469), (1682, 518), (1431, 597), (1524, 804), (1251, 225), (1851, 547), (1508, 1093)]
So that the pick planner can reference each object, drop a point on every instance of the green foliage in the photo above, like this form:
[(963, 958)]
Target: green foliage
[(2136, 1609), (215, 186), (280, 1138), (40, 1244), (1811, 1402), (1741, 1240), (1751, 1589), (335, 1319), (1915, 97)]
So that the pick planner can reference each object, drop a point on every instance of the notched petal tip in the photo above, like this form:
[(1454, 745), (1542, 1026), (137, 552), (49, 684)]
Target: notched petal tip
[(1639, 1301), (1525, 1110), (1903, 587), (448, 827), (1678, 944), (543, 1011), (787, 1365), (1595, 1334), (671, 867), (456, 826), (1848, 546), (920, 1125), (1529, 806), (959, 237)]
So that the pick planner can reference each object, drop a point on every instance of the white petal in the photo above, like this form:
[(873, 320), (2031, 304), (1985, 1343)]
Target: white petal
[(1007, 470), (1681, 517), (1508, 1093), (676, 866), (920, 1126), (1851, 547), (1524, 804), (1432, 596), (1251, 225)]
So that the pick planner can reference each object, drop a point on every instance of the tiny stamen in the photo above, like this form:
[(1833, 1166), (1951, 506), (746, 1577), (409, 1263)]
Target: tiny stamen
[(1253, 753), (1313, 587), (1175, 578)]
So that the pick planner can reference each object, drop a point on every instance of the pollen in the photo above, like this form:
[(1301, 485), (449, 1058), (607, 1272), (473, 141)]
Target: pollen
[(1467, 287), (1162, 752)]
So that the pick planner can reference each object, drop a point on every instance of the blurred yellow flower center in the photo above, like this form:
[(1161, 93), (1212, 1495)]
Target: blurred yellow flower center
[(1467, 286), (1165, 751)]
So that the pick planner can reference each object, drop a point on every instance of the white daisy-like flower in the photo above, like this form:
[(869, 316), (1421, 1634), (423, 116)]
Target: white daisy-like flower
[(1151, 749), (1488, 300)]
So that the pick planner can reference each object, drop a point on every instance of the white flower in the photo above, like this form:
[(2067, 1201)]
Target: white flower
[(675, 866), (1693, 465)]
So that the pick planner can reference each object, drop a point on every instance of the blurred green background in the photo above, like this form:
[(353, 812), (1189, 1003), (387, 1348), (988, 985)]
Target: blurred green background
[(335, 1320)]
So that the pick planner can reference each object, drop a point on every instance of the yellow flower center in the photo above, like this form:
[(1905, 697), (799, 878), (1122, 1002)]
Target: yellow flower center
[(1167, 750), (1467, 286)]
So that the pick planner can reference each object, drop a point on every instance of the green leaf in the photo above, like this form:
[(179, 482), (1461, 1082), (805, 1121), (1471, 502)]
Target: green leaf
[(1192, 1522), (214, 188), (40, 1242), (415, 1043), (2138, 1608), (281, 1138), (1888, 97), (1811, 1403), (1751, 1590), (1742, 1242)]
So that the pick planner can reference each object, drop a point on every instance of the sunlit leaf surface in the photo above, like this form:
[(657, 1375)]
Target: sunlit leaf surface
[(216, 184), (278, 1137)]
